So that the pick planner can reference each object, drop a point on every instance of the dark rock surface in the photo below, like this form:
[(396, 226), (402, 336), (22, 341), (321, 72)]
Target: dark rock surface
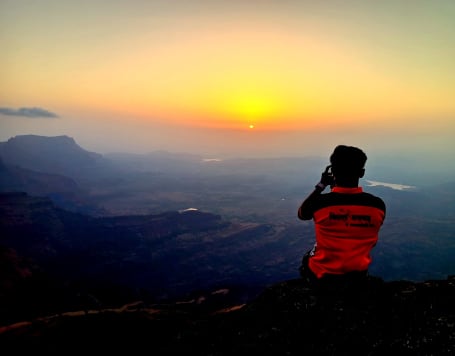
[(288, 318)]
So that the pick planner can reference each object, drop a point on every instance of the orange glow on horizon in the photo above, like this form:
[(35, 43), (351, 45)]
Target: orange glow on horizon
[(284, 66)]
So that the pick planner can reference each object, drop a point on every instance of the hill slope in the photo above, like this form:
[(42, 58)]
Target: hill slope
[(52, 259)]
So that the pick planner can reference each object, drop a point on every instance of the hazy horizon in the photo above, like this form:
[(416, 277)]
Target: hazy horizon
[(232, 78)]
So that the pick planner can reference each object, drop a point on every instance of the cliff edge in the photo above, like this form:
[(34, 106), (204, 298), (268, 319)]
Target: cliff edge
[(288, 318)]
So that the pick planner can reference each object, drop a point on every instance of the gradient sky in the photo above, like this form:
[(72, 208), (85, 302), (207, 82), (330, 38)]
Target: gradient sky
[(233, 77)]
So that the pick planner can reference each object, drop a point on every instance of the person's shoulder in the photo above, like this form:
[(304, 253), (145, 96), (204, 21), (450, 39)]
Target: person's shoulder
[(374, 197)]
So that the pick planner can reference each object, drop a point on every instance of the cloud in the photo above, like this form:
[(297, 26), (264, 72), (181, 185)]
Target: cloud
[(28, 112)]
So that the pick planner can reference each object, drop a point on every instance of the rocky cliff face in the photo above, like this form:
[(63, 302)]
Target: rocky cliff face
[(288, 318)]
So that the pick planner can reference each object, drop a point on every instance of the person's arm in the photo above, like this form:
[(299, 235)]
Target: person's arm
[(305, 211)]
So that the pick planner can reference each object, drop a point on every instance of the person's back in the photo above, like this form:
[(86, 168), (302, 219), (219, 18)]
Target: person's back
[(347, 221)]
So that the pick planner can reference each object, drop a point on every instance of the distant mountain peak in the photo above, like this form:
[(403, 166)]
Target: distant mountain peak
[(43, 140), (42, 137), (51, 154)]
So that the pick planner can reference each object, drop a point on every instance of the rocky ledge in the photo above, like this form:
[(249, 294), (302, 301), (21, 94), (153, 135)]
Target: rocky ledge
[(288, 318)]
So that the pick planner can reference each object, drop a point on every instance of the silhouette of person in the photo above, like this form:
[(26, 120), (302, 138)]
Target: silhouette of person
[(347, 221)]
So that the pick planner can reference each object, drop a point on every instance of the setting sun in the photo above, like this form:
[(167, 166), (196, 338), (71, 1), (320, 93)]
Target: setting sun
[(252, 107), (222, 78)]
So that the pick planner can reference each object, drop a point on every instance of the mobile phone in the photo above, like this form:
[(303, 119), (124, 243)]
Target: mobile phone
[(329, 175)]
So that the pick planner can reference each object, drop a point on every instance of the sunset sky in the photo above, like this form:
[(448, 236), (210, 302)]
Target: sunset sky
[(233, 77)]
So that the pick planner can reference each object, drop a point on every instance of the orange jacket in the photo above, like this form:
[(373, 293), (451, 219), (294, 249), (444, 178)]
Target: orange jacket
[(347, 222)]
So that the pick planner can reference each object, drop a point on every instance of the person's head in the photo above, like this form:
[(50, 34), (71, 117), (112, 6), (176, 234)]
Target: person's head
[(348, 165)]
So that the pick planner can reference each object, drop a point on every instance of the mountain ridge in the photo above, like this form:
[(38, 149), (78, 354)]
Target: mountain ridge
[(162, 256)]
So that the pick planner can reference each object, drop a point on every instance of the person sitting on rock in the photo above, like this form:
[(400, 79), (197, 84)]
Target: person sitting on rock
[(347, 221)]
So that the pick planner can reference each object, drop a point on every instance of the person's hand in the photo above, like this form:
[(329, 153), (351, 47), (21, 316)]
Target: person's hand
[(326, 179)]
